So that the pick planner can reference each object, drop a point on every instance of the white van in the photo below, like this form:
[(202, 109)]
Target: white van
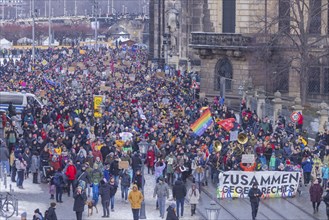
[(18, 99)]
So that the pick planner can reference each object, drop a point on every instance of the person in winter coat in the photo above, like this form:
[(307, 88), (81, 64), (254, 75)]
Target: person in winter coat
[(316, 192), (150, 160), (193, 196), (135, 198), (35, 164), (4, 156), (125, 183), (254, 196), (114, 170), (80, 198), (37, 215), (325, 175), (326, 201), (138, 180), (179, 193), (20, 164), (96, 177), (59, 184), (171, 212), (27, 157), (104, 192), (71, 172), (307, 169), (136, 163), (113, 191), (161, 190), (51, 214), (158, 169)]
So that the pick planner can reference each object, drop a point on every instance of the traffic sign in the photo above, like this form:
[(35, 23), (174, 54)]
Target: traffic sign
[(295, 116)]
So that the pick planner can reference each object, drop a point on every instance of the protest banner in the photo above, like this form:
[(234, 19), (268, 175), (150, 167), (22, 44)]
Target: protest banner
[(248, 158), (236, 184)]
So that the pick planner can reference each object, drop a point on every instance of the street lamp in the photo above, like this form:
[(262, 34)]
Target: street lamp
[(212, 211), (143, 146)]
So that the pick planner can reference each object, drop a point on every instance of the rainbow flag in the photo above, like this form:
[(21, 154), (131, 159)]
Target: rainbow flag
[(201, 125)]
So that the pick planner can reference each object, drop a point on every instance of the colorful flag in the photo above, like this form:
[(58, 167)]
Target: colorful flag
[(227, 124), (201, 125)]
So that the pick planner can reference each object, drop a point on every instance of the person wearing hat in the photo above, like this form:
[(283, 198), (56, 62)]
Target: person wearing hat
[(254, 196), (135, 198), (80, 198), (171, 212)]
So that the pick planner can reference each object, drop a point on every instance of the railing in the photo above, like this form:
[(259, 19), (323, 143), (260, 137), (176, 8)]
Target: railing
[(219, 40)]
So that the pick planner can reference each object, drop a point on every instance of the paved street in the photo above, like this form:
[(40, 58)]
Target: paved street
[(37, 196)]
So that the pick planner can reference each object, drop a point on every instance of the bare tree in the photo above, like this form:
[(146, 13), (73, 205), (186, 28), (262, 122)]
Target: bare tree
[(299, 31)]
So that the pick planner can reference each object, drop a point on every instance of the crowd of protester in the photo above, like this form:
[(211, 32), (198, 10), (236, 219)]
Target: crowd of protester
[(63, 143)]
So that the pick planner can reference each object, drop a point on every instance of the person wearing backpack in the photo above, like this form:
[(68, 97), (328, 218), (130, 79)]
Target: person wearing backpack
[(37, 215), (59, 183), (50, 214)]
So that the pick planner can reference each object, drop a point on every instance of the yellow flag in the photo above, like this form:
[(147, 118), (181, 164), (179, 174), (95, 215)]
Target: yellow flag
[(97, 102)]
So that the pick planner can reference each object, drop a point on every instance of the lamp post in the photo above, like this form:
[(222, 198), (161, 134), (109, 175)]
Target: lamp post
[(143, 149), (33, 33), (49, 23), (212, 211)]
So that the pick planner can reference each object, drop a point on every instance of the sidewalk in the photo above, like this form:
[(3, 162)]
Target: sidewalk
[(35, 196)]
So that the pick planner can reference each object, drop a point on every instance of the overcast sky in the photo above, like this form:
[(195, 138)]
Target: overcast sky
[(83, 7)]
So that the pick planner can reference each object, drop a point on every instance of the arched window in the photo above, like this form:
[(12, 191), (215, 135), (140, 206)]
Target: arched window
[(223, 69)]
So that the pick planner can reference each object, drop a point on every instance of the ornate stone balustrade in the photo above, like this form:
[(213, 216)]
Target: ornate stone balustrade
[(209, 40)]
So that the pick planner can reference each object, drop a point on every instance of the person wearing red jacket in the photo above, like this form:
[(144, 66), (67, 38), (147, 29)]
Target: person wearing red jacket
[(71, 172), (150, 160), (300, 122)]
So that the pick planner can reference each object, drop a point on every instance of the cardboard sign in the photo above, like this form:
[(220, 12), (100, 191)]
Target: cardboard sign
[(248, 158), (43, 93), (123, 165), (234, 135), (81, 65), (160, 75), (71, 69)]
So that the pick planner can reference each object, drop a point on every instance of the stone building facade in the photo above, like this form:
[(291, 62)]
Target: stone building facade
[(244, 42)]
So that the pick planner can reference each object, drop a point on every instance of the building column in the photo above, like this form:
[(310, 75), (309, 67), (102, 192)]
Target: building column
[(297, 106), (323, 116), (277, 104), (249, 94), (260, 102)]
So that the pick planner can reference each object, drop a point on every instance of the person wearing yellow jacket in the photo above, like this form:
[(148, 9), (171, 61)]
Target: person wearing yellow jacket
[(135, 198)]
